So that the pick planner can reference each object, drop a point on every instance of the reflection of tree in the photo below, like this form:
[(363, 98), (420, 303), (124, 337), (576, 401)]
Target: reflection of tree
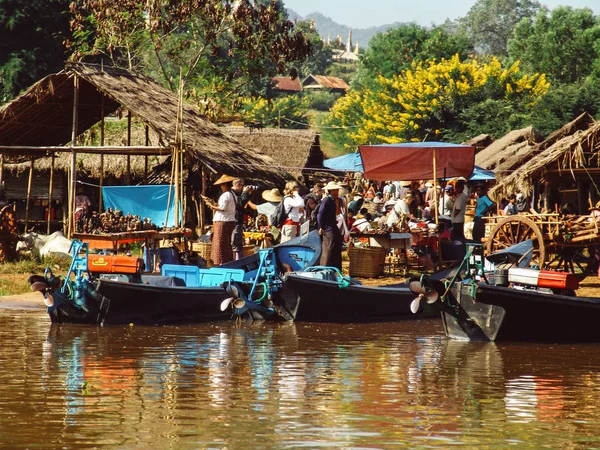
[(274, 385)]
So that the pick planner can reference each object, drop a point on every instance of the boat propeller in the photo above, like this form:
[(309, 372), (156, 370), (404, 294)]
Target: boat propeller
[(225, 303), (43, 288), (424, 293), (234, 298)]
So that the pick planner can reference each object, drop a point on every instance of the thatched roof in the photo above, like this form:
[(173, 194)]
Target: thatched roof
[(43, 116), (89, 165), (295, 150), (583, 122), (580, 150), (480, 142), (507, 147)]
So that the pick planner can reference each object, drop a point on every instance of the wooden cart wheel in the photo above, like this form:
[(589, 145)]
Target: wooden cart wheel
[(514, 229), (577, 259)]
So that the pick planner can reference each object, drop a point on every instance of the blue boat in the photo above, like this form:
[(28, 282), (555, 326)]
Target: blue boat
[(180, 295)]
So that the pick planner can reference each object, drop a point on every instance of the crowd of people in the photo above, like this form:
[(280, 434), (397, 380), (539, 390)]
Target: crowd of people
[(336, 209)]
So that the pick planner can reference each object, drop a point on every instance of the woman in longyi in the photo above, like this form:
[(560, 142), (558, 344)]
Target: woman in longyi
[(223, 222)]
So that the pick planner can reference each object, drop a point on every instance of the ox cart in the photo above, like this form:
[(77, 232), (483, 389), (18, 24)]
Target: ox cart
[(567, 243)]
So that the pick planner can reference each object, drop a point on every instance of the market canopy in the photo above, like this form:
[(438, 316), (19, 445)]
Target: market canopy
[(350, 162), (417, 160), (480, 174)]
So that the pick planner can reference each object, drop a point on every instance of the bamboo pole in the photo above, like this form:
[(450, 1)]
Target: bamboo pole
[(147, 143), (202, 215), (435, 196), (102, 124), (50, 188), (128, 144), (73, 181), (29, 184), (1, 175)]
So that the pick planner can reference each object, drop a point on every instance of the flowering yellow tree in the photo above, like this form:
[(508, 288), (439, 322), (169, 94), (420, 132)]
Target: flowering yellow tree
[(431, 100)]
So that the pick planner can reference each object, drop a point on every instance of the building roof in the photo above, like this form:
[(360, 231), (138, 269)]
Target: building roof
[(569, 153), (287, 84), (322, 81), (295, 150), (43, 117)]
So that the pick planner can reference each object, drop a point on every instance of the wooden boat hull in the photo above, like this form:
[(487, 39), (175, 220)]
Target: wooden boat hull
[(118, 302), (121, 303), (317, 300), (509, 314)]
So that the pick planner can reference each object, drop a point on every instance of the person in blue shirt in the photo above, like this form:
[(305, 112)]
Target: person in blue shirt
[(484, 206)]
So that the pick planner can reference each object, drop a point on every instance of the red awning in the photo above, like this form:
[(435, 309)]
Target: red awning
[(415, 160)]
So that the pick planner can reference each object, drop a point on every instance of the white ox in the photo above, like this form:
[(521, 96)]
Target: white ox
[(41, 245)]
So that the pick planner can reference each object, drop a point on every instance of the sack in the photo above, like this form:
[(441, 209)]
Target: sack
[(279, 216)]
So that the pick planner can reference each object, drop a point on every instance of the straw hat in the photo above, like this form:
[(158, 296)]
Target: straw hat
[(405, 183), (272, 195), (224, 179), (428, 184), (332, 185)]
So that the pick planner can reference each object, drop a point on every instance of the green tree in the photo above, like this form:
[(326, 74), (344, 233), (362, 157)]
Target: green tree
[(490, 23), (320, 59), (391, 52), (563, 44), (283, 112), (224, 48), (438, 100), (32, 44)]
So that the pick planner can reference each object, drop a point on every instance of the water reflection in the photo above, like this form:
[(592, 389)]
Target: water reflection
[(288, 385)]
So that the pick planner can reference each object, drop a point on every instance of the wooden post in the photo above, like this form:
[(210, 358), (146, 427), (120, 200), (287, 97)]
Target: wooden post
[(73, 181), (128, 145), (202, 216), (435, 196), (146, 156), (50, 188), (100, 198), (29, 183), (1, 174)]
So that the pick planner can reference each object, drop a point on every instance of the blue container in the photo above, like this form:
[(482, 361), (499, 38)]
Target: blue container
[(195, 277)]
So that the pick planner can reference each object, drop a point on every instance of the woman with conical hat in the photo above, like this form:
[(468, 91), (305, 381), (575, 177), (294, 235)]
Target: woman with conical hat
[(223, 222)]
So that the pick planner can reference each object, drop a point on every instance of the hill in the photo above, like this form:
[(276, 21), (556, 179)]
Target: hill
[(328, 28)]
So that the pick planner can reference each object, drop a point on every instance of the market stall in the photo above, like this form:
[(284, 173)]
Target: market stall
[(418, 161)]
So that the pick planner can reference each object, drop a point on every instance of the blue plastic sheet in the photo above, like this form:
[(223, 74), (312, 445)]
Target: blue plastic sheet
[(145, 201), (350, 162)]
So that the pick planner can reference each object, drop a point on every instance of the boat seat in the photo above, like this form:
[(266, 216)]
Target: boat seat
[(196, 277)]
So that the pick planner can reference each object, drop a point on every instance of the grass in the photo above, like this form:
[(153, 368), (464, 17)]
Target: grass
[(13, 275)]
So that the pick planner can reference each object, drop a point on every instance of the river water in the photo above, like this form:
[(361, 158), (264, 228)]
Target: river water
[(267, 385)]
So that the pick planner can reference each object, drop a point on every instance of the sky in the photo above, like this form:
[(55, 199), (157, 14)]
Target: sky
[(367, 13)]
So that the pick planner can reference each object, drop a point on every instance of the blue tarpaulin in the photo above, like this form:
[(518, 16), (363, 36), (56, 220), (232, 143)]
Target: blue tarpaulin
[(480, 174), (145, 201), (345, 163)]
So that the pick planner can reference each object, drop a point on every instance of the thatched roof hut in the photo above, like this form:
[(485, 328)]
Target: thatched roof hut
[(480, 142), (575, 157), (42, 118), (298, 151), (514, 146)]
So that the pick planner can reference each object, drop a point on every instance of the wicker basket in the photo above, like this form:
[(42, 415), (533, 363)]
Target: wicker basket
[(203, 250), (366, 262), (248, 250)]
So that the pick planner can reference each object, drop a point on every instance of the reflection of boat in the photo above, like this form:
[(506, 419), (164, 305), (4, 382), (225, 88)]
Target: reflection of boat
[(324, 295), (160, 300), (523, 305)]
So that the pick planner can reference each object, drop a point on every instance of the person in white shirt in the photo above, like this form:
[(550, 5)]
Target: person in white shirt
[(294, 208), (458, 214), (223, 222)]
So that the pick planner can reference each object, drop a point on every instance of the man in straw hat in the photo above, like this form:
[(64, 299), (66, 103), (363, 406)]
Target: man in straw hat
[(331, 247), (272, 198), (223, 222)]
